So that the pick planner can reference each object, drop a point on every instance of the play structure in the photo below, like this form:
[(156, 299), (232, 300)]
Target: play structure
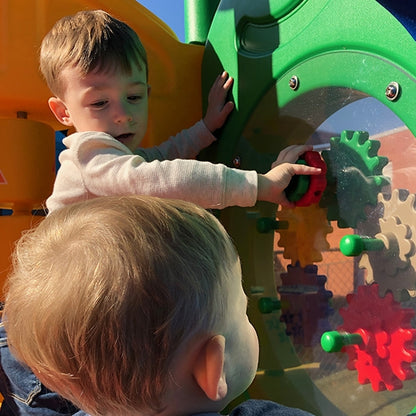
[(331, 282)]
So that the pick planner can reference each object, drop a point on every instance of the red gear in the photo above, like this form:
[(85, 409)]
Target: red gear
[(386, 353)]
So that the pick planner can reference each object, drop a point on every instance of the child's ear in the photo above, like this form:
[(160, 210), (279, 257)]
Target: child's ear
[(209, 368), (60, 111)]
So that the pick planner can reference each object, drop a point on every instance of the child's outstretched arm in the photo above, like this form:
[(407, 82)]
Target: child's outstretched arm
[(271, 185), (218, 109)]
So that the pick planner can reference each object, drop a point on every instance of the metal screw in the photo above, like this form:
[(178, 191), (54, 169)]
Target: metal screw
[(294, 83), (392, 91), (237, 162)]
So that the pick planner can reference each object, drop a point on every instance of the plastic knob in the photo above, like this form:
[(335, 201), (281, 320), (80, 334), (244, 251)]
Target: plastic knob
[(334, 341), (306, 190), (269, 305), (265, 224), (354, 245)]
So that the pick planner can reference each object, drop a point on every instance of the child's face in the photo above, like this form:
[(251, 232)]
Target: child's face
[(241, 342), (112, 102)]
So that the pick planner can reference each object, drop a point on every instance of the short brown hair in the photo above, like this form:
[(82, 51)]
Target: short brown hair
[(89, 40), (104, 292)]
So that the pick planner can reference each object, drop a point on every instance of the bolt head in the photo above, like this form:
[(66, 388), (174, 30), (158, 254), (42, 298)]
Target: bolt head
[(237, 162), (294, 82), (392, 91)]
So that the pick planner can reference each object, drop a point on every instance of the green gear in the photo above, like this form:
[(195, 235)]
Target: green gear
[(354, 177)]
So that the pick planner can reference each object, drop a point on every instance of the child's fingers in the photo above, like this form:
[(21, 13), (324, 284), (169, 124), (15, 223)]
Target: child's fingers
[(284, 202), (287, 150), (228, 107), (228, 82), (292, 153), (223, 81), (220, 80), (223, 86), (304, 170), (223, 114), (218, 109), (295, 169)]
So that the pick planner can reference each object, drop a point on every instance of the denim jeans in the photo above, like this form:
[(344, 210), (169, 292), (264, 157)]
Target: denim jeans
[(261, 408), (23, 393)]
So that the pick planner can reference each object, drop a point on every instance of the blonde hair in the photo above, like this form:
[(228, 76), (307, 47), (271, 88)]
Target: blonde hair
[(104, 292), (89, 40)]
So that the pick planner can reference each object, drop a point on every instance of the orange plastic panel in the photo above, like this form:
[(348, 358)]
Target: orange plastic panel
[(11, 229), (27, 164)]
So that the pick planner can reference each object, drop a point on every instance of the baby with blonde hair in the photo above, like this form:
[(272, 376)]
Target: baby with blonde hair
[(134, 306)]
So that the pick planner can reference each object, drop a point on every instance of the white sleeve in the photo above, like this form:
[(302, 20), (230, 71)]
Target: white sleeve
[(107, 167), (185, 145)]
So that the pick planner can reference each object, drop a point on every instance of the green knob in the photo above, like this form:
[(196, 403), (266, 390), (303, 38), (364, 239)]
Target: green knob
[(269, 305), (333, 341), (354, 245), (265, 224)]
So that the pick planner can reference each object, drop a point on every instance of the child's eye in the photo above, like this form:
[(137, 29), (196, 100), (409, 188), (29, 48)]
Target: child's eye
[(134, 98), (99, 104)]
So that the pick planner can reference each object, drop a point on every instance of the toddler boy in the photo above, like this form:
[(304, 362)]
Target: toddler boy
[(96, 67)]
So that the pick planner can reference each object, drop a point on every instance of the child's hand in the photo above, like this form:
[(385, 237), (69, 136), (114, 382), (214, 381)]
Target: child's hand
[(271, 186), (218, 110), (291, 154)]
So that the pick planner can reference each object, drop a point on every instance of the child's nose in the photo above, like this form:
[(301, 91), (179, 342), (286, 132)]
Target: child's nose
[(122, 114)]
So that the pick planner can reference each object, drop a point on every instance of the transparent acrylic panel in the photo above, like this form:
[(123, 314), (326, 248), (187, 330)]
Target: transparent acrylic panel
[(370, 207)]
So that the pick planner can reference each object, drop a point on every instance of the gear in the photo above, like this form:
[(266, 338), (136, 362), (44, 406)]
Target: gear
[(397, 242), (353, 178), (305, 307), (302, 279), (402, 206), (305, 237), (386, 352), (394, 268)]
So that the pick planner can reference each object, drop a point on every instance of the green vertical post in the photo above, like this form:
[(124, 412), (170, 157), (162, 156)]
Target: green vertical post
[(198, 18)]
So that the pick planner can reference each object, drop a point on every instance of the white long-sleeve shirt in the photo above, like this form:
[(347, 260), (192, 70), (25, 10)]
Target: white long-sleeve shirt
[(95, 164)]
